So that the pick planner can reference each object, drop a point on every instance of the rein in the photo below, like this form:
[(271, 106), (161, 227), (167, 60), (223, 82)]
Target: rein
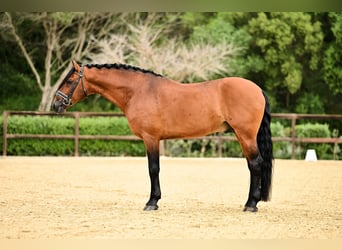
[(66, 99)]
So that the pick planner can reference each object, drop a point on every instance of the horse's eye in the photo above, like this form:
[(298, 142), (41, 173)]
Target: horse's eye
[(69, 81)]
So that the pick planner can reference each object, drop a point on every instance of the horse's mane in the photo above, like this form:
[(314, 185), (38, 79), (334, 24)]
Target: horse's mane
[(121, 66)]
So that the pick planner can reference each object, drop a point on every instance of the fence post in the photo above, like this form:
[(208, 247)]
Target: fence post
[(4, 135), (219, 146), (77, 133), (293, 135)]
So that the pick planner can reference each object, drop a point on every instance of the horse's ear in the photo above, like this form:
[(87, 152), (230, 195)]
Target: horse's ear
[(76, 65)]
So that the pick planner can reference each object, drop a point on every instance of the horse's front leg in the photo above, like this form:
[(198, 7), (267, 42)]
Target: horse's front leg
[(153, 167)]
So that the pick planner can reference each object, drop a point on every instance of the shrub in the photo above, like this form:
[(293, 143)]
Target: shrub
[(182, 148), (104, 126), (324, 151), (202, 148), (65, 126), (40, 125), (108, 126), (119, 126), (280, 149), (231, 148)]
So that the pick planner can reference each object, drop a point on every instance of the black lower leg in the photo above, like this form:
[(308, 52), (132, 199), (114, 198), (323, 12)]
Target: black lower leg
[(153, 166), (254, 195)]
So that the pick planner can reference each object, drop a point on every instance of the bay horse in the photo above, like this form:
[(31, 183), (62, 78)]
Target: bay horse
[(159, 108)]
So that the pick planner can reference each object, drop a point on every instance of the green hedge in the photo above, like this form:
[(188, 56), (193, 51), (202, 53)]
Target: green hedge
[(196, 148), (108, 126), (281, 149), (307, 130), (323, 150), (62, 125), (119, 126)]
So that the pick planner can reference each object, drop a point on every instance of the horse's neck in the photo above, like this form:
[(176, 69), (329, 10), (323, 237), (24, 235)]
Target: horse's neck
[(117, 86)]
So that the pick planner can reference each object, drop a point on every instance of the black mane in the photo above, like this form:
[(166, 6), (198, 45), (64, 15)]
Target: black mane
[(121, 66)]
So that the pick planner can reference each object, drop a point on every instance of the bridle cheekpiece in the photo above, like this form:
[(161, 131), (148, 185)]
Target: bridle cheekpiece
[(66, 99)]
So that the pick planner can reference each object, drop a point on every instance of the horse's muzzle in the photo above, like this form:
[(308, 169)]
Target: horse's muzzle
[(58, 107)]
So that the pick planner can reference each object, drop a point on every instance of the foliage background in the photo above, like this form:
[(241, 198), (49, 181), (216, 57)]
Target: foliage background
[(119, 126), (295, 56)]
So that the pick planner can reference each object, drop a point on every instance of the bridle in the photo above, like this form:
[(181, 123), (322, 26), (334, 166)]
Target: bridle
[(66, 99)]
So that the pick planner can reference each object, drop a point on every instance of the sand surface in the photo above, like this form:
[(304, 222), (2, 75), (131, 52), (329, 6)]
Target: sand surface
[(61, 197)]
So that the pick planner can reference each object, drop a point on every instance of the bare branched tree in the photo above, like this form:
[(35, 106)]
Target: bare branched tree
[(110, 49), (112, 37), (67, 36), (145, 45)]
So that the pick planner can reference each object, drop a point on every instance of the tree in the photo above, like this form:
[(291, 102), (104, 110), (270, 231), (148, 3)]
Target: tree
[(289, 43), (333, 55), (145, 44), (65, 36), (295, 57), (219, 28)]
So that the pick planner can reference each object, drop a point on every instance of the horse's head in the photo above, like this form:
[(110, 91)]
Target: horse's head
[(70, 91)]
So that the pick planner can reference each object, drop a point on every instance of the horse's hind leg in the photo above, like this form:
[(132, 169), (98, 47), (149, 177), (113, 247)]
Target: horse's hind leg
[(254, 195), (254, 161)]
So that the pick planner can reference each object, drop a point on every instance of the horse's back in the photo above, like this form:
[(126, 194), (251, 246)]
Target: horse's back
[(174, 110)]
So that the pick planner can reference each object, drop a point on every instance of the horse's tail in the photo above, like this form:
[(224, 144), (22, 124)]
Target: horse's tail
[(265, 145)]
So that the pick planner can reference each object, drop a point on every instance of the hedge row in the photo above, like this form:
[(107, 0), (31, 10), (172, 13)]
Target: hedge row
[(203, 148), (65, 126), (308, 130), (323, 150), (119, 126)]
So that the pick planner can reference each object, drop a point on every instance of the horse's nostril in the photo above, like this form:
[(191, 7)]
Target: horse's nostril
[(57, 106)]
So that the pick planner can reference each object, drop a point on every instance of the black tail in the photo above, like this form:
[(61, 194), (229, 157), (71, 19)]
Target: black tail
[(265, 145)]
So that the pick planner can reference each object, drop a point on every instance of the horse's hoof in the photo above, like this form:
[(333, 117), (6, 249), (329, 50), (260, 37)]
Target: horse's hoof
[(250, 209), (151, 207)]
